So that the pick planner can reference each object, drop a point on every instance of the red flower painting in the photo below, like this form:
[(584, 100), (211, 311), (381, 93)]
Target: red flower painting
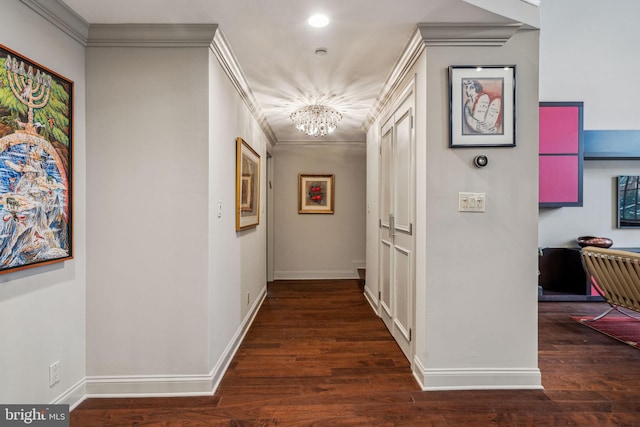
[(317, 194)]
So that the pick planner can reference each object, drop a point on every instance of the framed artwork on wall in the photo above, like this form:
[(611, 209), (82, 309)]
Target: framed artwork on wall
[(316, 194), (36, 139), (247, 186), (482, 108), (628, 201)]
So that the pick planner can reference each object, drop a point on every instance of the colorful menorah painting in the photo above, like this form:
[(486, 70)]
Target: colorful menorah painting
[(35, 164)]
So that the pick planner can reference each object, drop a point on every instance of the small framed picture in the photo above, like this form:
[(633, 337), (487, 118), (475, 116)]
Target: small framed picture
[(482, 106), (247, 186), (315, 194)]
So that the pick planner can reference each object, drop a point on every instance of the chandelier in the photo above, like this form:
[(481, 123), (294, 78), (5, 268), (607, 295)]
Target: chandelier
[(316, 120)]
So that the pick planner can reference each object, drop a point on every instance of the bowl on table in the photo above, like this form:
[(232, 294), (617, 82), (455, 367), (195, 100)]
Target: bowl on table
[(599, 242)]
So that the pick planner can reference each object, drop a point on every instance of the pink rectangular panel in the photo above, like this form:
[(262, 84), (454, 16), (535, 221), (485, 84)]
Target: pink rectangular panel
[(558, 179), (559, 130)]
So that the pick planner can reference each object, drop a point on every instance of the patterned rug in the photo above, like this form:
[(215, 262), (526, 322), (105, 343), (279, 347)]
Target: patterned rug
[(623, 329)]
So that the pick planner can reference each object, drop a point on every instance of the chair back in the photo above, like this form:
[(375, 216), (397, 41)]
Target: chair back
[(615, 273)]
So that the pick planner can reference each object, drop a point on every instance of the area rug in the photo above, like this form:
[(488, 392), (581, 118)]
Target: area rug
[(623, 329)]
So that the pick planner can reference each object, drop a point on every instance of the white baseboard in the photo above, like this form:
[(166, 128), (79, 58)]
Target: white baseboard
[(477, 379), (314, 275), (161, 385), (371, 298), (149, 386), (359, 263), (223, 363), (74, 396)]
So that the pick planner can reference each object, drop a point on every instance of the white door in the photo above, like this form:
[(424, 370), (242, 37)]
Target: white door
[(396, 234)]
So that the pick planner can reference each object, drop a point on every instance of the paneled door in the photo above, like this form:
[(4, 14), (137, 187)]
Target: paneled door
[(396, 234)]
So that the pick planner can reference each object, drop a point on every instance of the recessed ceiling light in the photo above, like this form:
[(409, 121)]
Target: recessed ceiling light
[(319, 21)]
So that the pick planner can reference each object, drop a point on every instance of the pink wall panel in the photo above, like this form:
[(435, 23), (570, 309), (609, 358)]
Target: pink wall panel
[(558, 179), (559, 130)]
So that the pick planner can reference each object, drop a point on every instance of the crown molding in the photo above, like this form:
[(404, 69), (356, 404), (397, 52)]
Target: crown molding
[(407, 59), (151, 35), (58, 14), (183, 35), (227, 59), (467, 34), (437, 34), (323, 145)]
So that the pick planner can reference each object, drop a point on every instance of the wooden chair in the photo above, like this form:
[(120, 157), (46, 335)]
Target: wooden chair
[(616, 276)]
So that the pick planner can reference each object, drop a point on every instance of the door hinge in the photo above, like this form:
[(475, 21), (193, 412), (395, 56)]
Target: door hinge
[(379, 295), (409, 334)]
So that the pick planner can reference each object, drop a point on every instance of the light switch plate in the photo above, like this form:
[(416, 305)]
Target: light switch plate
[(471, 202)]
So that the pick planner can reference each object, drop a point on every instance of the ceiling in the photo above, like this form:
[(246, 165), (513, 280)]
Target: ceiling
[(275, 47)]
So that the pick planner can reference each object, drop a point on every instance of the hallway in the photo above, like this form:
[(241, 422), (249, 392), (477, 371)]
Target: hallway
[(316, 354)]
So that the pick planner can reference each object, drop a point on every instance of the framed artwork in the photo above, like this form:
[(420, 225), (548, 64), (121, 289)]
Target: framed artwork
[(628, 201), (36, 138), (315, 194), (482, 108), (247, 186)]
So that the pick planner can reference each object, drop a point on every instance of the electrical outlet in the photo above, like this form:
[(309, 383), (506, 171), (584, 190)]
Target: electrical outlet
[(54, 373)]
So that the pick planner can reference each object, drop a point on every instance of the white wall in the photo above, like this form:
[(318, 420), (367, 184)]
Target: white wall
[(587, 53), (237, 259), (482, 267), (42, 309), (476, 296), (147, 156), (319, 246), (167, 278)]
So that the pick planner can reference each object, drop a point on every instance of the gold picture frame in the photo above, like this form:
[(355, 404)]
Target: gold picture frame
[(247, 186), (316, 194)]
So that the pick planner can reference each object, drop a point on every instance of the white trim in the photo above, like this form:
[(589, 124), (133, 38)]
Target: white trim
[(149, 386), (183, 35), (418, 371), (358, 264), (437, 34), (476, 378), (371, 299), (322, 145), (405, 63), (58, 14), (467, 34), (72, 397), (227, 59), (532, 2), (151, 35), (223, 363), (314, 275), (119, 386)]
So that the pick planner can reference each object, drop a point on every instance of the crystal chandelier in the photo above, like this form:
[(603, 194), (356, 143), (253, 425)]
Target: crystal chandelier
[(316, 120)]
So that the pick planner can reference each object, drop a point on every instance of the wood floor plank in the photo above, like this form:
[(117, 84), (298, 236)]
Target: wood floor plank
[(316, 355)]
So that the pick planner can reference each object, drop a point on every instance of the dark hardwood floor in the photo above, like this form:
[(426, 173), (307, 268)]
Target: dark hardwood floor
[(317, 355)]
